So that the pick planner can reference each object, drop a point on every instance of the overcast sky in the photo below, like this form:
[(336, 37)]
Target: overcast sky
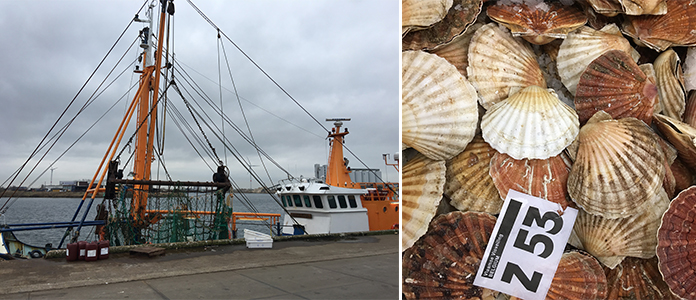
[(336, 58)]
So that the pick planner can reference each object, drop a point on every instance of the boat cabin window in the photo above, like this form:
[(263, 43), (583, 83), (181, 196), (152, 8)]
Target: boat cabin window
[(342, 201), (332, 202), (307, 202), (298, 201), (317, 202), (286, 200), (351, 201)]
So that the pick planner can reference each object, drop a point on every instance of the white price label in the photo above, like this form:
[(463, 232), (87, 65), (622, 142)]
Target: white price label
[(526, 246)]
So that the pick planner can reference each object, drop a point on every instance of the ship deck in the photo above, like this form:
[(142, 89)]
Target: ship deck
[(349, 267)]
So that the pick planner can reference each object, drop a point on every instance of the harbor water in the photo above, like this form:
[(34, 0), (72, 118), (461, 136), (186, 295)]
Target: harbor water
[(47, 210)]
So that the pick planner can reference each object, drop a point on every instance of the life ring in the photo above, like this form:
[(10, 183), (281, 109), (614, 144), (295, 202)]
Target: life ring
[(395, 226), (36, 254)]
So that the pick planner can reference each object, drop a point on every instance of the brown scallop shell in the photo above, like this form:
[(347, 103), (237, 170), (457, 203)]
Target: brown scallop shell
[(543, 178), (460, 16), (644, 7), (443, 262), (690, 109), (676, 27), (635, 235), (468, 184), (423, 180), (608, 8), (457, 52), (637, 278), (670, 84), (681, 136), (683, 177), (618, 168), (676, 248), (578, 276), (538, 25), (615, 84)]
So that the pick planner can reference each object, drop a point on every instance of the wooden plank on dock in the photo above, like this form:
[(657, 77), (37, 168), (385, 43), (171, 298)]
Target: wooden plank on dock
[(149, 251)]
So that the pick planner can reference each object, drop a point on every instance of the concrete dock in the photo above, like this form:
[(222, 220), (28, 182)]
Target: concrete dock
[(351, 267)]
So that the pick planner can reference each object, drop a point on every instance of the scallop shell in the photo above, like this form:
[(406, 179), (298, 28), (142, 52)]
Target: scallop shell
[(632, 236), (538, 25), (500, 64), (618, 168), (420, 14), (457, 52), (644, 7), (689, 116), (606, 7), (637, 278), (439, 111), (423, 180), (675, 249), (543, 178), (683, 177), (670, 84), (444, 261), (578, 276), (580, 48), (675, 28), (614, 83), (468, 184), (681, 136), (460, 16), (689, 67), (532, 123)]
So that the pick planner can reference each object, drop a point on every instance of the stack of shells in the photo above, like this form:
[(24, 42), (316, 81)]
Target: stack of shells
[(584, 103)]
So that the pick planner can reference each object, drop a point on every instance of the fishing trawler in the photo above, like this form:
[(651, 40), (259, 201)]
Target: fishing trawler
[(139, 208), (338, 205)]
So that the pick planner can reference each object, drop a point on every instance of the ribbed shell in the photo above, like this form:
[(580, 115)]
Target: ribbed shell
[(637, 278), (614, 83), (676, 249), (538, 26), (422, 182), (675, 28), (690, 109), (422, 13), (460, 16), (644, 7), (683, 176), (469, 185), (543, 178), (681, 136), (583, 46), (578, 277), (632, 236), (619, 167), (457, 52), (439, 110), (532, 124), (670, 84), (689, 68), (499, 63), (443, 262), (606, 7)]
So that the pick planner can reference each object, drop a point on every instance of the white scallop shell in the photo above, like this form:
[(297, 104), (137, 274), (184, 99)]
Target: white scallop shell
[(670, 84), (422, 13), (581, 47), (499, 63), (423, 181), (438, 105), (533, 123)]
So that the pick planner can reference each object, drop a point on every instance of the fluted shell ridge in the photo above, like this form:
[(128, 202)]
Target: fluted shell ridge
[(583, 46), (423, 180), (469, 185), (533, 123), (439, 108), (618, 168), (578, 277), (498, 63), (675, 249), (670, 84)]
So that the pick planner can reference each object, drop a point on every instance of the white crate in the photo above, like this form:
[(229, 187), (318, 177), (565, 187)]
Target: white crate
[(259, 243), (255, 239)]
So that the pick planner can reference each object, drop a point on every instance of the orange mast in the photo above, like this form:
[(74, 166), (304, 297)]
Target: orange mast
[(337, 173)]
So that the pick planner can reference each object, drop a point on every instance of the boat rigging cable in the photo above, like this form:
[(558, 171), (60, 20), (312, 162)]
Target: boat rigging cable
[(4, 207), (276, 84)]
